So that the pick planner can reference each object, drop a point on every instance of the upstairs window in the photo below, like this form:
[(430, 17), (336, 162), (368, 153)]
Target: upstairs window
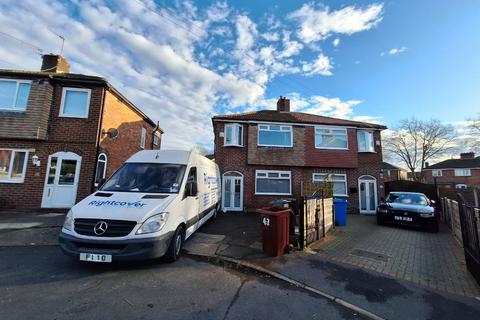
[(331, 138), (462, 173), (233, 135), (75, 103), (13, 164), (14, 94), (156, 139), (365, 141), (273, 182), (436, 173), (143, 137), (339, 182), (270, 135)]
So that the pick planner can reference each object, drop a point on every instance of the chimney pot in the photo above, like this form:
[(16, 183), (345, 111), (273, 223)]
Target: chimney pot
[(54, 63), (467, 155), (283, 104)]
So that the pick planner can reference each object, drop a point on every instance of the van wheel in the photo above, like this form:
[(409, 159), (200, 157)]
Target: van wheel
[(215, 213), (173, 252)]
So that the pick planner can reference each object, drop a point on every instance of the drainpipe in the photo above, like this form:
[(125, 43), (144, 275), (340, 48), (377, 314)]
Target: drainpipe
[(97, 143)]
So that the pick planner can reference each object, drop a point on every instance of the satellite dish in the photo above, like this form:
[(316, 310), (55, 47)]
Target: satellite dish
[(112, 133)]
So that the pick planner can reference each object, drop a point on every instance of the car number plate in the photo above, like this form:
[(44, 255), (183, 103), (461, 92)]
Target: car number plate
[(94, 257), (403, 218)]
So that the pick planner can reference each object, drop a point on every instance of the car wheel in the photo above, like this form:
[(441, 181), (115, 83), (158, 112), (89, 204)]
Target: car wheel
[(175, 247)]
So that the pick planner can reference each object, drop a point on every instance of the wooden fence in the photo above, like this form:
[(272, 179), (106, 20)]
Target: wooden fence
[(450, 214), (317, 219)]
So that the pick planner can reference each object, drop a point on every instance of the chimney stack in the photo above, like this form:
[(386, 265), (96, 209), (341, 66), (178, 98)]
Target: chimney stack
[(427, 165), (467, 155), (283, 104), (54, 63)]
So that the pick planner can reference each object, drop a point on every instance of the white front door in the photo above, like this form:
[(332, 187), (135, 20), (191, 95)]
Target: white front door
[(61, 181), (232, 192), (367, 186)]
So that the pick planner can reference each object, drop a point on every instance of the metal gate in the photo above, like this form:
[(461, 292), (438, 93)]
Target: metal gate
[(469, 219)]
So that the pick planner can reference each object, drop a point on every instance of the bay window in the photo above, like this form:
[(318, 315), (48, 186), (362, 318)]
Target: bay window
[(365, 141), (14, 94), (233, 135), (331, 138), (339, 182), (272, 182), (272, 135), (13, 164)]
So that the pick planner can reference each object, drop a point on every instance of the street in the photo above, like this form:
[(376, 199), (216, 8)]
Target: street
[(39, 282)]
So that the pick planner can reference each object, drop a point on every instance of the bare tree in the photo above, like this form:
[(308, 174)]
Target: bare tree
[(417, 141), (473, 131)]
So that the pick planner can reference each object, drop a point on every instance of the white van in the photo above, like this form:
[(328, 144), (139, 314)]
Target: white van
[(147, 209)]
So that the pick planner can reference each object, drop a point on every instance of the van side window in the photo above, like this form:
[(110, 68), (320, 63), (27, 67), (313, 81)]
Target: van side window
[(192, 175)]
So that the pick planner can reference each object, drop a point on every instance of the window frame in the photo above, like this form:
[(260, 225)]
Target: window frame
[(329, 128), (335, 174), (10, 168), (104, 173), (156, 139), (369, 141), (437, 172), (235, 132), (279, 177), (143, 138), (290, 129), (62, 104), (465, 170), (18, 82)]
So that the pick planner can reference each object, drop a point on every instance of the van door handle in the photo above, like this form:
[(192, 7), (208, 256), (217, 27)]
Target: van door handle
[(196, 198)]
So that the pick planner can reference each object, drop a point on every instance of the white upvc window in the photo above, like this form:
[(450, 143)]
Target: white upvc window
[(14, 94), (273, 182), (233, 135), (365, 141), (331, 138), (462, 173), (13, 165), (274, 135), (101, 173), (156, 139), (338, 180), (143, 138), (436, 173), (75, 102)]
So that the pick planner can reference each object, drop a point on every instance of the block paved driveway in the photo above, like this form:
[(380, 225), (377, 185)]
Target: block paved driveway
[(428, 259)]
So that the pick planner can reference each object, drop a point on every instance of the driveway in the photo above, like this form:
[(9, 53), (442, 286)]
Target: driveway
[(430, 260)]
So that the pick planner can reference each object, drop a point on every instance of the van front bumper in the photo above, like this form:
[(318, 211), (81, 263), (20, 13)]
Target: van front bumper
[(121, 250)]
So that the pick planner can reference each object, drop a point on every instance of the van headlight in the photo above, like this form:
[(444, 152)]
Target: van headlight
[(153, 224), (382, 210), (68, 223), (427, 215)]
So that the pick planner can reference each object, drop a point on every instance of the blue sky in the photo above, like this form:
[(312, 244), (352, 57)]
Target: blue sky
[(182, 62)]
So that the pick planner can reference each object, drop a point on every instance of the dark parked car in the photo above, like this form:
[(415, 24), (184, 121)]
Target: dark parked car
[(408, 208)]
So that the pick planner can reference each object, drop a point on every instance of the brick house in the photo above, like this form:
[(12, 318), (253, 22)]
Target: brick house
[(393, 173), (265, 155), (460, 173), (61, 134)]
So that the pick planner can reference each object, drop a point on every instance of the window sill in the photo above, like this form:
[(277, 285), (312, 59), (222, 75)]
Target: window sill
[(342, 149), (233, 145), (13, 181), (367, 151), (269, 146), (72, 117), (12, 111)]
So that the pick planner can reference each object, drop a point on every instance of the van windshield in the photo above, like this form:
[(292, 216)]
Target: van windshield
[(147, 178)]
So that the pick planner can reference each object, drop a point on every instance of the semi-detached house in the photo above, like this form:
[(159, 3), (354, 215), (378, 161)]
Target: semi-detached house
[(62, 133), (265, 155)]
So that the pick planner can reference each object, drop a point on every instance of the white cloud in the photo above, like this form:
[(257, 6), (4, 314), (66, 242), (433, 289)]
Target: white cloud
[(271, 36), (246, 31), (319, 23), (336, 42), (321, 66), (291, 47), (395, 51)]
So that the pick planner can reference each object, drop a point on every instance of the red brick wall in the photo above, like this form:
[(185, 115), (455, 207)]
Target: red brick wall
[(331, 158), (117, 114), (448, 176)]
